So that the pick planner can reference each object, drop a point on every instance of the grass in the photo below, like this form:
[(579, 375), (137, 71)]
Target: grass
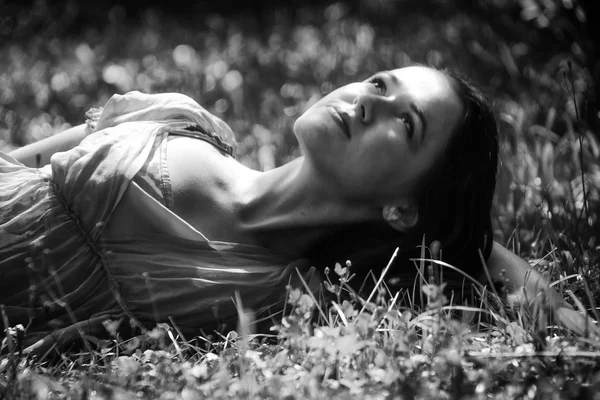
[(338, 343), (381, 346)]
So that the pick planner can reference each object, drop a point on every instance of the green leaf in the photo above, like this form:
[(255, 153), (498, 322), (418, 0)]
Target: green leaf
[(347, 345), (577, 322)]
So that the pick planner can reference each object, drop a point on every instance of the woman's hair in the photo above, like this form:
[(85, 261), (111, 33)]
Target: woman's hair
[(454, 200)]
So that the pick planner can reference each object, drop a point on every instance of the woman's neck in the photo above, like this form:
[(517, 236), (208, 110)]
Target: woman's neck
[(288, 209)]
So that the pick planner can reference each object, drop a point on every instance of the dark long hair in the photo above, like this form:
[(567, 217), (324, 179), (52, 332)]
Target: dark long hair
[(455, 201)]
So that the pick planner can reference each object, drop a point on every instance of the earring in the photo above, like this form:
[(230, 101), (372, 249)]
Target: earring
[(390, 213)]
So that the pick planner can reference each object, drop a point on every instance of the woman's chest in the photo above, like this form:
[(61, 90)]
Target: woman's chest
[(203, 183)]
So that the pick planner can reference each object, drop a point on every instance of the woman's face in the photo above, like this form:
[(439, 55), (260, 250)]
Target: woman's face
[(374, 140)]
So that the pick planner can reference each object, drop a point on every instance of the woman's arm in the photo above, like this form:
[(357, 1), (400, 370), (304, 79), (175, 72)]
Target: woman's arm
[(47, 147), (504, 265)]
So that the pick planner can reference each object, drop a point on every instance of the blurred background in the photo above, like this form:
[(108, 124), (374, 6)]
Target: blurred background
[(259, 64)]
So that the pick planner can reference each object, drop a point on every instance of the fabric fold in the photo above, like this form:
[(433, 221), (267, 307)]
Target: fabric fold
[(61, 265)]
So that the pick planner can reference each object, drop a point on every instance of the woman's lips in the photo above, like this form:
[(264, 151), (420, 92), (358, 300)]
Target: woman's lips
[(341, 119)]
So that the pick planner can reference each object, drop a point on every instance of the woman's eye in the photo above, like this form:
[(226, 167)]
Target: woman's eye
[(378, 83), (409, 124)]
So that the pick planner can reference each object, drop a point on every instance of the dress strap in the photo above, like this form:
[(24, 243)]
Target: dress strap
[(197, 132)]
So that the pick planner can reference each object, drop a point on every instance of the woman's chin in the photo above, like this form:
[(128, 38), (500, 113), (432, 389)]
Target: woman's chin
[(314, 125), (303, 130), (303, 124)]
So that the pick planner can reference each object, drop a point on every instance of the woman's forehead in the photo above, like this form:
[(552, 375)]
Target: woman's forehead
[(434, 93), (425, 81)]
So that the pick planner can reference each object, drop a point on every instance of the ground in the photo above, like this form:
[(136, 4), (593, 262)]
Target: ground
[(258, 69)]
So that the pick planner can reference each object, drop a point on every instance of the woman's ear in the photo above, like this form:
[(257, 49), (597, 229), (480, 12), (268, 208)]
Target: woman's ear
[(401, 218)]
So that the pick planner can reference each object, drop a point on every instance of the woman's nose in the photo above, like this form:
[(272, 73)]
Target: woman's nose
[(367, 105)]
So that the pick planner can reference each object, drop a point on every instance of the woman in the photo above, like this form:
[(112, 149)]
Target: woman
[(142, 220)]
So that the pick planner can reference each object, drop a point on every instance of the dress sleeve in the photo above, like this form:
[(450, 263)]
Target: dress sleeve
[(92, 177), (162, 107)]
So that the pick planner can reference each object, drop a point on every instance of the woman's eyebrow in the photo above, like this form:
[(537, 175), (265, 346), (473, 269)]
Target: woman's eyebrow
[(414, 107), (421, 115), (392, 77)]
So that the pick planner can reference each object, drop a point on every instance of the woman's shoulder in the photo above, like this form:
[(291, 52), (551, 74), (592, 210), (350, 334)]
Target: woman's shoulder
[(194, 165), (136, 106), (203, 183)]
